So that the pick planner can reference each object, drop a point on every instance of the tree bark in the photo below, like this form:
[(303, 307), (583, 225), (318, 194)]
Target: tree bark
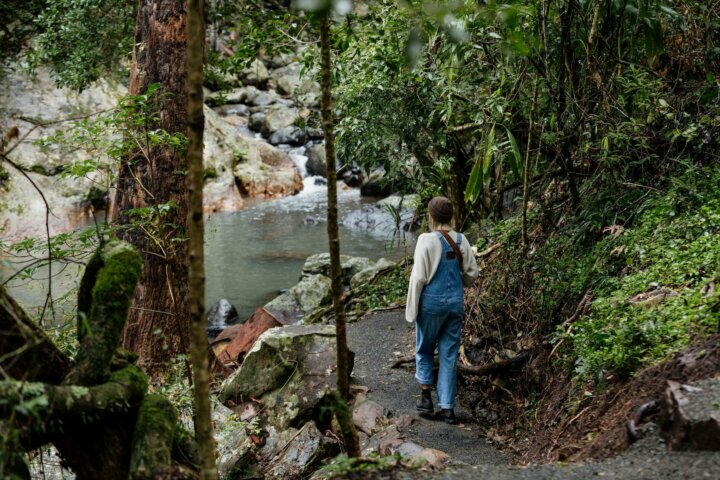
[(328, 121), (158, 326), (198, 337), (26, 353)]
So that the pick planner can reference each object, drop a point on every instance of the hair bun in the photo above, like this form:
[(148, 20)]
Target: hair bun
[(441, 210)]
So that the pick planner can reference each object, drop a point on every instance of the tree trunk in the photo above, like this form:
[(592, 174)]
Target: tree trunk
[(328, 121), (91, 416), (198, 337), (26, 353), (158, 326)]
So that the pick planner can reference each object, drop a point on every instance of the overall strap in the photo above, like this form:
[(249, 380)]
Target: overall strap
[(454, 246)]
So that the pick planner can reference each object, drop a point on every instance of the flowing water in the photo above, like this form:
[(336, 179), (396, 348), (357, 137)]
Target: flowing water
[(253, 254)]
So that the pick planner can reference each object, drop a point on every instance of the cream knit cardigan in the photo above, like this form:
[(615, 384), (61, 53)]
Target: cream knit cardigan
[(428, 252)]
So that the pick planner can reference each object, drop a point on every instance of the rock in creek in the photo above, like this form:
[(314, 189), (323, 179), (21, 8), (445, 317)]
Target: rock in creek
[(264, 99), (279, 116), (255, 74), (690, 415), (353, 177), (266, 172), (257, 121), (291, 135), (287, 78), (222, 313), (386, 217), (24, 101), (375, 185), (288, 371), (310, 293), (236, 341), (320, 264), (316, 159)]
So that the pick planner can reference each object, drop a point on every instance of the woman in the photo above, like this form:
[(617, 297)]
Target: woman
[(443, 264)]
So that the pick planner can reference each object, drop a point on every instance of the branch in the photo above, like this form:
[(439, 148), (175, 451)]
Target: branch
[(125, 388), (473, 369)]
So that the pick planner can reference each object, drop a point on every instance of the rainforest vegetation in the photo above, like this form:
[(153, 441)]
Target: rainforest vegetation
[(578, 141)]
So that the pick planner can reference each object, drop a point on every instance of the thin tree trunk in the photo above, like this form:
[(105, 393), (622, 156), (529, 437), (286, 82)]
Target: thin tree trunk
[(158, 327), (526, 168), (198, 337), (328, 121)]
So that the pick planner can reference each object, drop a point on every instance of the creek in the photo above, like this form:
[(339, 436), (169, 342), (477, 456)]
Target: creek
[(253, 254)]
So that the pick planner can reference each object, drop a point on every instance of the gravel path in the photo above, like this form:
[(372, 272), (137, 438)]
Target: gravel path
[(375, 338)]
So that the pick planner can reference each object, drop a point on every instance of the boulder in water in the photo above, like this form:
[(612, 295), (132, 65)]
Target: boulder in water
[(291, 135), (222, 313), (316, 159), (263, 99), (257, 121), (287, 78), (306, 296), (376, 185), (320, 264), (279, 116), (353, 177)]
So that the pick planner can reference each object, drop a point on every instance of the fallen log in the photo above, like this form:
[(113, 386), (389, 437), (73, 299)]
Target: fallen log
[(473, 369)]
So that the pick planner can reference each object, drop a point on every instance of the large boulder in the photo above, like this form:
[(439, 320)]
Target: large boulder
[(243, 167), (291, 135), (257, 121), (37, 109), (231, 439), (222, 313), (288, 371), (367, 275), (280, 116), (287, 78), (316, 159), (376, 185), (263, 99), (312, 292), (320, 264), (690, 415), (233, 96), (266, 172), (255, 74), (385, 218)]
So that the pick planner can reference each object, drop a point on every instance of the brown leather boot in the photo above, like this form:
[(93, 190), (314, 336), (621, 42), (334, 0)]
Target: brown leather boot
[(425, 405)]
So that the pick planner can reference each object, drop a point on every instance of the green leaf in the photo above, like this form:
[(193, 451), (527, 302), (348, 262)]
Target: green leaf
[(516, 162), (474, 185), (487, 161)]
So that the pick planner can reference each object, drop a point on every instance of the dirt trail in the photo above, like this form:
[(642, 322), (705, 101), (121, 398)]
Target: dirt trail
[(375, 338)]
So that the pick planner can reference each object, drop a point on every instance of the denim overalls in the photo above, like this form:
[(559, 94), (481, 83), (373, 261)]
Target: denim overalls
[(439, 323)]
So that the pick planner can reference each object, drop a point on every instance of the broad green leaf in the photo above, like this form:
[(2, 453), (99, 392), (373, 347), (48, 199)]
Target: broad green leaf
[(516, 162)]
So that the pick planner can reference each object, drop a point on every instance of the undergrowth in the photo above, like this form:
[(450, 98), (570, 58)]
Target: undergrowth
[(388, 289), (662, 244), (670, 256)]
